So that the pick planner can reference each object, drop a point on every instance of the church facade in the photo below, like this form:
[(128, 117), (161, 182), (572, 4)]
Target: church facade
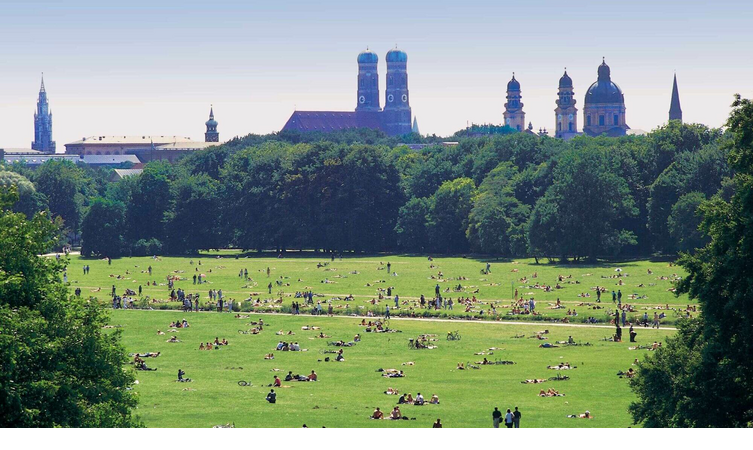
[(604, 106), (394, 119)]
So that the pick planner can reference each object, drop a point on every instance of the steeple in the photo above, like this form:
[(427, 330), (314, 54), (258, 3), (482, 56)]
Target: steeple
[(414, 129), (675, 112), (514, 116), (43, 124), (212, 135)]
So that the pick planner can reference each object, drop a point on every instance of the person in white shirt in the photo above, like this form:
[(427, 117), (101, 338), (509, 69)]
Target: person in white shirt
[(508, 419), (419, 399)]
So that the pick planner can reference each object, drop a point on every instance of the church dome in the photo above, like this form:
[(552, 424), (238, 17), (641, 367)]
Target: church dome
[(513, 85), (367, 57), (396, 55), (604, 90), (566, 81), (211, 122)]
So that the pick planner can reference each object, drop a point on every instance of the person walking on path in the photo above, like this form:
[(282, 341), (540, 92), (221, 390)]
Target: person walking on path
[(389, 268), (516, 418), (387, 311), (496, 417)]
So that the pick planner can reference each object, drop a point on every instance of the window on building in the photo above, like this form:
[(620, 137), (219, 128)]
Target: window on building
[(616, 119), (559, 126), (588, 120), (570, 126), (601, 120)]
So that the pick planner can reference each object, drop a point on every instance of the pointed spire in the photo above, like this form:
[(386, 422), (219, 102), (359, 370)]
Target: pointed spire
[(41, 89), (675, 112), (211, 112), (414, 129)]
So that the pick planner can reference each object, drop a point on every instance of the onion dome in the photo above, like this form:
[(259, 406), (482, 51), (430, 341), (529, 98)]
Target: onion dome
[(211, 122), (396, 55), (367, 57), (566, 81), (513, 85)]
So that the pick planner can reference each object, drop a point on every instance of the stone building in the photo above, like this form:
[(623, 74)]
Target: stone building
[(514, 116), (43, 124), (604, 106), (566, 114)]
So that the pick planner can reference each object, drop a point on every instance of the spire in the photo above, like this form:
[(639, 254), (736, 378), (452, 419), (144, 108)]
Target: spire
[(415, 126), (211, 112), (41, 89), (675, 112)]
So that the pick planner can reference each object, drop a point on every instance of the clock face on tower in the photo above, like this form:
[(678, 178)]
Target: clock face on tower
[(405, 98), (390, 98), (362, 99)]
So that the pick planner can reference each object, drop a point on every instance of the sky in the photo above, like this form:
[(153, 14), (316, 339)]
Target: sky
[(155, 67)]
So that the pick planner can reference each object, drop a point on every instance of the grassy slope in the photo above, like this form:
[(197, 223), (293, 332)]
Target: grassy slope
[(348, 391), (413, 279)]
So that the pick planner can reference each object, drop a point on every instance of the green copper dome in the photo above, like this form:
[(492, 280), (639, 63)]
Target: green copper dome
[(367, 57), (396, 55)]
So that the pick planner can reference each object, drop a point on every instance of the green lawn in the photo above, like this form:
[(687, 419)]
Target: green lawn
[(363, 276), (347, 392)]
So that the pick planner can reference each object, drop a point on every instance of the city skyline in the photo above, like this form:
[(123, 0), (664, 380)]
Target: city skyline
[(146, 69)]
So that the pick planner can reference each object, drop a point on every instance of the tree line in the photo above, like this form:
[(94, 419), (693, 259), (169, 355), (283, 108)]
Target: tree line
[(506, 194)]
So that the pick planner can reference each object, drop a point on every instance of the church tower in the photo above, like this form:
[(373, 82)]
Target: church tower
[(397, 112), (368, 82), (514, 116), (566, 114), (675, 112), (43, 124), (604, 106), (212, 135)]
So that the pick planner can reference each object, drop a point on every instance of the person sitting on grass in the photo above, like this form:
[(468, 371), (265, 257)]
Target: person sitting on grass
[(340, 356), (173, 340), (277, 382), (437, 424), (461, 366), (142, 366), (396, 414), (272, 396), (391, 391), (434, 399), (269, 356), (419, 400), (313, 376), (378, 414)]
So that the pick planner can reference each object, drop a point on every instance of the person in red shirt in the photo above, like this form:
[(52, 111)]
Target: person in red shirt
[(277, 382), (312, 377)]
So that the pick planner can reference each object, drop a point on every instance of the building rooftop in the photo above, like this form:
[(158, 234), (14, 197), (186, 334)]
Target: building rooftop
[(193, 145), (131, 140), (109, 159), (20, 151), (122, 173)]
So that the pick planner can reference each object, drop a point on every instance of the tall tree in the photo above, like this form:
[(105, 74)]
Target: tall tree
[(62, 182), (58, 368), (102, 229), (704, 376)]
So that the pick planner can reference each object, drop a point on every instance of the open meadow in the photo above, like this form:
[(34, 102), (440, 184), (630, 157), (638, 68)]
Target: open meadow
[(646, 286), (347, 392)]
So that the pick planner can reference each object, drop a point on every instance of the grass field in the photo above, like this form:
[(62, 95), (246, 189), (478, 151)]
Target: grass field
[(347, 392), (364, 277)]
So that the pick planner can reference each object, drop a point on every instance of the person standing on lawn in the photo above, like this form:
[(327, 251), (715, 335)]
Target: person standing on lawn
[(516, 418), (496, 417)]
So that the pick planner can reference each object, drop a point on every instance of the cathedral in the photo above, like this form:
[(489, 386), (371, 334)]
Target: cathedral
[(394, 119), (43, 124), (604, 106)]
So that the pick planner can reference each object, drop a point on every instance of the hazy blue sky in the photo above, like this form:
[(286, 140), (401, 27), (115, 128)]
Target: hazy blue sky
[(154, 67)]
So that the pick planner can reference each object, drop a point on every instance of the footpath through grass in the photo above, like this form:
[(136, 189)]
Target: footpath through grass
[(347, 392), (646, 286)]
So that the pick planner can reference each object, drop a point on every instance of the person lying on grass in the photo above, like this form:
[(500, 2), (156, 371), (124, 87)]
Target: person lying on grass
[(550, 393), (561, 366), (629, 374), (391, 391), (484, 362), (586, 415), (269, 356), (548, 345), (142, 366), (392, 373), (534, 381), (309, 327), (173, 340)]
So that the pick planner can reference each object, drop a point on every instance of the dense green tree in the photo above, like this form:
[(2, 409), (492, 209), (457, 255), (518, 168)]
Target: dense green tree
[(448, 215), (412, 234), (704, 376), (102, 229), (581, 214), (684, 221), (58, 367), (62, 183), (150, 201), (194, 221), (29, 201)]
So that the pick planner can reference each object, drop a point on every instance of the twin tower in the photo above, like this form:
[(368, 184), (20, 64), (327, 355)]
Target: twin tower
[(394, 119), (396, 115)]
